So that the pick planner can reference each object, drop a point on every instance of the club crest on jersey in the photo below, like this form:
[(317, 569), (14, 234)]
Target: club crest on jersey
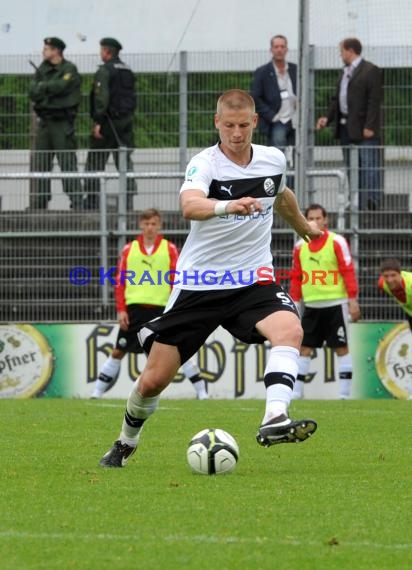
[(269, 187)]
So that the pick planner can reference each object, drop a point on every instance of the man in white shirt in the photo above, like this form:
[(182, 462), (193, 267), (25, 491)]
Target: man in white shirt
[(224, 276), (274, 90)]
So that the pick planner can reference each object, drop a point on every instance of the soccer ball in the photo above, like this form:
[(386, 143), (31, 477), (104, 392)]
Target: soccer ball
[(212, 451)]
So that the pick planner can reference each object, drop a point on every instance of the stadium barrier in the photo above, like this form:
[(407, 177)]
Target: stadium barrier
[(63, 360)]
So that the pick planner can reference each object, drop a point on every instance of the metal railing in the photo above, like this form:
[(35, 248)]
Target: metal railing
[(44, 245)]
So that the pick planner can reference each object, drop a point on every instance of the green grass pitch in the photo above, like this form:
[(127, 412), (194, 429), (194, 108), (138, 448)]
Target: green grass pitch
[(342, 499)]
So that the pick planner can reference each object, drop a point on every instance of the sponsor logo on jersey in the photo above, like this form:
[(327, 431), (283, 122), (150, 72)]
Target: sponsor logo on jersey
[(226, 189)]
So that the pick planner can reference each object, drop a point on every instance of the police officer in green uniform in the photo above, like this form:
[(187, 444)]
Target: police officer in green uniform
[(112, 106), (55, 92)]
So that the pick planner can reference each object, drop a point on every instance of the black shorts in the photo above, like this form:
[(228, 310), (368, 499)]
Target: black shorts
[(328, 324), (194, 315), (127, 341)]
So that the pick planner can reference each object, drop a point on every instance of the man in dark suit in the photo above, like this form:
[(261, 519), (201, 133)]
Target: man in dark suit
[(274, 91), (356, 112)]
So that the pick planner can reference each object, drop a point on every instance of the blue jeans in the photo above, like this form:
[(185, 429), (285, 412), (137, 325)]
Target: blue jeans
[(282, 135), (370, 167)]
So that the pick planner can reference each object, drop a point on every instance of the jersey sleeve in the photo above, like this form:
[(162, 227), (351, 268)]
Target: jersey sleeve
[(381, 281), (173, 256), (100, 94), (198, 175), (345, 265), (295, 289)]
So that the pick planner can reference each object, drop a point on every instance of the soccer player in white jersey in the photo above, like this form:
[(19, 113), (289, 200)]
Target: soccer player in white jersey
[(224, 276)]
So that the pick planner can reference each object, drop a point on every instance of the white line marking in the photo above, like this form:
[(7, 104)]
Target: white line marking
[(288, 541)]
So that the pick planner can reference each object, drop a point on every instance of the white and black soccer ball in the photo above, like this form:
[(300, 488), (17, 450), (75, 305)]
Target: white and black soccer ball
[(213, 451)]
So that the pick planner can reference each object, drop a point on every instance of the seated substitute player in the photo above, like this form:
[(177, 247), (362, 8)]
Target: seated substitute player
[(323, 276), (398, 284), (229, 194), (138, 302)]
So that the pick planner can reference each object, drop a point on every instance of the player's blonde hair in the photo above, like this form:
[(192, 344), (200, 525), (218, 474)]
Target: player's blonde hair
[(235, 100)]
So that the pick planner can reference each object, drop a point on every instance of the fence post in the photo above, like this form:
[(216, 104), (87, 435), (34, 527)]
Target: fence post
[(104, 294), (122, 204), (183, 118), (311, 123), (303, 98), (354, 201)]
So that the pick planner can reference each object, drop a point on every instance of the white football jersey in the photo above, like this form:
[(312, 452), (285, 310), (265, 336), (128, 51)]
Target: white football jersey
[(226, 252)]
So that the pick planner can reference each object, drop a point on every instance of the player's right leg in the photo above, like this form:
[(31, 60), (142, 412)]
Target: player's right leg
[(162, 364), (282, 328)]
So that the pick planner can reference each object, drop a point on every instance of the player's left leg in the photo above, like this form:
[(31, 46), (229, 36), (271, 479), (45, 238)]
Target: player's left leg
[(337, 339), (108, 374), (345, 372), (193, 373)]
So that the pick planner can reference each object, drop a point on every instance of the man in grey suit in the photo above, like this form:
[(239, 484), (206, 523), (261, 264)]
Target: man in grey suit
[(274, 91), (355, 110)]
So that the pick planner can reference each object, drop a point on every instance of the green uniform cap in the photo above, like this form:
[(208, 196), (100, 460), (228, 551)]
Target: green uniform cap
[(111, 42), (55, 42)]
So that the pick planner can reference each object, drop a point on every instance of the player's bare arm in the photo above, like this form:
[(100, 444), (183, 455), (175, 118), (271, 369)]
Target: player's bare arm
[(123, 318), (287, 207), (354, 310), (196, 206)]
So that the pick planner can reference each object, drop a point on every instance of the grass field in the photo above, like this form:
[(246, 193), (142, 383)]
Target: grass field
[(343, 499)]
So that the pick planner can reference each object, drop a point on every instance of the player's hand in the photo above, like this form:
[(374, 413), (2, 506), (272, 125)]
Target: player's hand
[(96, 131), (368, 133), (354, 310), (311, 231), (244, 206), (123, 320), (322, 122)]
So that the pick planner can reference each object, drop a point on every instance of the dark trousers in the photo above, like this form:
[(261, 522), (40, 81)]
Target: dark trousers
[(119, 133), (370, 169), (55, 138)]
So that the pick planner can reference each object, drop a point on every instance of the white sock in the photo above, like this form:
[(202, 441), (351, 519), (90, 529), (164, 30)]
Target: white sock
[(138, 409), (345, 376), (200, 386), (190, 369), (109, 370), (192, 372), (303, 370), (280, 374)]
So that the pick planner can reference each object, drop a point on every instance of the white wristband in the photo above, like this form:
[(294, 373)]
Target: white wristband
[(220, 207)]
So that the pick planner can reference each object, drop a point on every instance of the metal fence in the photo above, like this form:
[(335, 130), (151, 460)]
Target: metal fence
[(177, 96)]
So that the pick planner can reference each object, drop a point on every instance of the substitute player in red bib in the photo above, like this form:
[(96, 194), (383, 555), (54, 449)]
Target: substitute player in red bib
[(230, 192), (142, 291), (397, 284), (323, 277)]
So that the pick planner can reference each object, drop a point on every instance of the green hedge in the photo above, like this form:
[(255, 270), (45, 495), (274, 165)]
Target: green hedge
[(157, 116)]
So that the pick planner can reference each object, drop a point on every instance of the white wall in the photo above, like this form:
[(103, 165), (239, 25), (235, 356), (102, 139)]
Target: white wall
[(164, 26)]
